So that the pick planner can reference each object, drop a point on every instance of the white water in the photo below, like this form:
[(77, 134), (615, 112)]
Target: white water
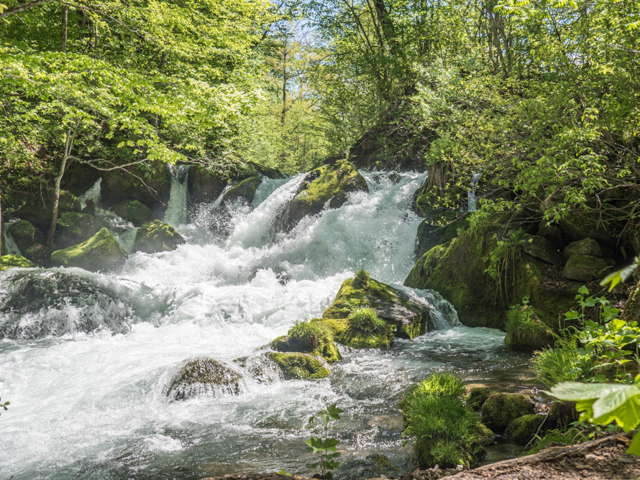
[(176, 213), (472, 196), (93, 405), (8, 241)]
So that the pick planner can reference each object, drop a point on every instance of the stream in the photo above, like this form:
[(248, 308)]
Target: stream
[(86, 358)]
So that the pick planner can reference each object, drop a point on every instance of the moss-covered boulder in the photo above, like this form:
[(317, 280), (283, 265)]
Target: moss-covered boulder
[(523, 429), (102, 252), (500, 409), (244, 191), (541, 248), (476, 397), (38, 212), (562, 414), (156, 237), (204, 376), (584, 268), (37, 253), (588, 246), (329, 184), (134, 211), (408, 318), (73, 228), (25, 234), (15, 261), (300, 366), (312, 337), (525, 330), (431, 235)]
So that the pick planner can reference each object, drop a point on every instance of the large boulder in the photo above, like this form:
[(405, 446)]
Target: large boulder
[(15, 261), (300, 366), (431, 235), (134, 211), (500, 409), (102, 252), (25, 234), (584, 268), (74, 228), (327, 185), (244, 191), (204, 376), (541, 248), (588, 246), (525, 330), (37, 253), (38, 211), (205, 186), (156, 237)]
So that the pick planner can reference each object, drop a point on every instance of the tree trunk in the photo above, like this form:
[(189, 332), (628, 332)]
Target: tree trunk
[(284, 84), (65, 25)]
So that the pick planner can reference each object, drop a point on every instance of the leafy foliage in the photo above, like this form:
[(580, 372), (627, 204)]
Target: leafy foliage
[(324, 448)]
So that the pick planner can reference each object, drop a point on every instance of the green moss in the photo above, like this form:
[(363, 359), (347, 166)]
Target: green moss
[(73, 228), (300, 366), (500, 409), (525, 331), (523, 429), (101, 252), (156, 236), (134, 211), (584, 268), (425, 266), (15, 261), (23, 233), (476, 397), (204, 376), (309, 337)]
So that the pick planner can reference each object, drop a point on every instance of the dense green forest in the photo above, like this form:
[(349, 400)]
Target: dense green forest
[(523, 116)]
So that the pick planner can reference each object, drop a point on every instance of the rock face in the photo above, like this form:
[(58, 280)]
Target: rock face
[(134, 211), (204, 186), (74, 228), (156, 237), (588, 246), (500, 409), (300, 366), (25, 234), (101, 252), (204, 376), (329, 184), (15, 261), (584, 268), (243, 191)]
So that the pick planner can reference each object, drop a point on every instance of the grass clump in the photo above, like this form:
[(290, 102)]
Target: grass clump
[(366, 320), (310, 336), (570, 436), (446, 431), (559, 364), (525, 331)]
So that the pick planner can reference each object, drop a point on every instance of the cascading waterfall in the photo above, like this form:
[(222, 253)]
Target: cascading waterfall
[(91, 195), (9, 243), (176, 213), (472, 197), (86, 367)]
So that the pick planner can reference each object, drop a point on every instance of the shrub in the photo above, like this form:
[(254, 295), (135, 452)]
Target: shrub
[(361, 279), (446, 431), (366, 320), (309, 336)]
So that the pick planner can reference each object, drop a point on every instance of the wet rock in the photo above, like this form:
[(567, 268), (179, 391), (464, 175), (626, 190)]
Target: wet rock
[(205, 186), (541, 248), (134, 211), (500, 409), (584, 268), (25, 234), (204, 376), (523, 429), (37, 253), (15, 261), (74, 228), (486, 436), (156, 237), (243, 191), (102, 252), (431, 235), (300, 366), (588, 246), (327, 185)]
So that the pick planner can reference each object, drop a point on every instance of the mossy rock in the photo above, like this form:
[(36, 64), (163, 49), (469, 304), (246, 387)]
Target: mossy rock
[(25, 234), (102, 252), (300, 366), (430, 235), (584, 268), (326, 347), (476, 397), (523, 429), (390, 304), (134, 211), (562, 414), (15, 261), (156, 237), (486, 435), (500, 409), (541, 248), (39, 213), (268, 172), (204, 376), (329, 184), (527, 332), (37, 253), (74, 228), (243, 191), (588, 246)]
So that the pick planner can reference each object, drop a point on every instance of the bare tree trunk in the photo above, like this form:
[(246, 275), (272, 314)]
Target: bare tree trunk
[(284, 83), (65, 25)]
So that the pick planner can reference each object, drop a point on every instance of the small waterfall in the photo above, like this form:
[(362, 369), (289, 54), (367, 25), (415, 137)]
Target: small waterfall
[(127, 239), (443, 314), (7, 239), (93, 195), (471, 194), (176, 213)]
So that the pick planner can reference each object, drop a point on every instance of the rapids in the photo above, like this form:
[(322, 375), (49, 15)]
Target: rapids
[(90, 356)]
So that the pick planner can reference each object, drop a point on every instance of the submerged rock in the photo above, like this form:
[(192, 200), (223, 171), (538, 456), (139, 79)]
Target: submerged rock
[(204, 376), (243, 191), (15, 261), (134, 211), (73, 228), (156, 237), (584, 268), (327, 185), (500, 409), (102, 252), (300, 366)]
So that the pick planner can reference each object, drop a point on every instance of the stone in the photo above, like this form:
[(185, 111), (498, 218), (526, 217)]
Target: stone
[(243, 191), (74, 228), (541, 248), (156, 237), (204, 376), (300, 366), (500, 409), (204, 186), (431, 235), (476, 397), (523, 429), (584, 268), (102, 252), (134, 211), (38, 212), (37, 253), (313, 337), (562, 414), (588, 246), (15, 261), (25, 234)]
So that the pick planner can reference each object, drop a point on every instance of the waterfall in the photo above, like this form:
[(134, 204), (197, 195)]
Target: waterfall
[(7, 239), (176, 213), (93, 195), (471, 194)]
